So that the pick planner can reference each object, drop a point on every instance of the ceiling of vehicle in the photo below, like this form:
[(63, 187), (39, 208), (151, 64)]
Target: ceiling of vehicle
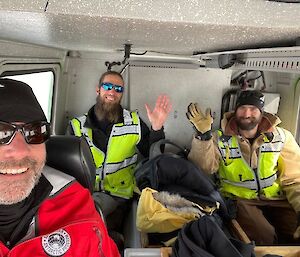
[(180, 27)]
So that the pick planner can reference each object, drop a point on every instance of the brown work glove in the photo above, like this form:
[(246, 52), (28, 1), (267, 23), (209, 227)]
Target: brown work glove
[(201, 123)]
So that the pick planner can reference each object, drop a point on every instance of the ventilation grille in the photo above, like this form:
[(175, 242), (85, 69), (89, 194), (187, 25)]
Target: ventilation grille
[(284, 59), (280, 64)]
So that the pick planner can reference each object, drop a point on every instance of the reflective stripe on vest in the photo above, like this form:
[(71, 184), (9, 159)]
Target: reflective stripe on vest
[(115, 169), (239, 179)]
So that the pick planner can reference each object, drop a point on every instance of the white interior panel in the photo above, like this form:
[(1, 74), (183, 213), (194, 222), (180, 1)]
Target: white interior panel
[(288, 88), (180, 27), (205, 86)]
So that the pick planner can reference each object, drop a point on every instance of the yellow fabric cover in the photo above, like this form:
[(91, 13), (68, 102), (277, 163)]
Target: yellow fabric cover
[(154, 217)]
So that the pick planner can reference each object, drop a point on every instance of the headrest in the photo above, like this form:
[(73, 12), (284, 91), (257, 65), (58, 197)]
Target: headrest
[(72, 155)]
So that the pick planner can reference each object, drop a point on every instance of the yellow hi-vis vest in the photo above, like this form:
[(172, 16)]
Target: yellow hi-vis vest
[(237, 178), (115, 168)]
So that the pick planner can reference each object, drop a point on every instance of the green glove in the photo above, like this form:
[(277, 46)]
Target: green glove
[(201, 123)]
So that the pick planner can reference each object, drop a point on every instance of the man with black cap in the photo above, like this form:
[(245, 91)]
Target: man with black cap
[(258, 165), (43, 212)]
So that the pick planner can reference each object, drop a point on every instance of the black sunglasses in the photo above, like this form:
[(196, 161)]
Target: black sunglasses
[(34, 132)]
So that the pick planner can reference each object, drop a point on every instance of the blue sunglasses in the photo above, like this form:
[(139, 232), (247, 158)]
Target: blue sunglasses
[(109, 86)]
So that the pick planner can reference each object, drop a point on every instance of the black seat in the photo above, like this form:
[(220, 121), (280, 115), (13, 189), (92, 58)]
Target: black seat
[(72, 155)]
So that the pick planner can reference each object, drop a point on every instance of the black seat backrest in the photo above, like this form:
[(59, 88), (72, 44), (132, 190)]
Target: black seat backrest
[(72, 155)]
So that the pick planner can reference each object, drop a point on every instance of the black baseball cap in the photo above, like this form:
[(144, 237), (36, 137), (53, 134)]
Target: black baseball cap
[(251, 97), (18, 102)]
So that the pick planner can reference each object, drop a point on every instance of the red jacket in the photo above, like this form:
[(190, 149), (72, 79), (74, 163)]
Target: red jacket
[(66, 224)]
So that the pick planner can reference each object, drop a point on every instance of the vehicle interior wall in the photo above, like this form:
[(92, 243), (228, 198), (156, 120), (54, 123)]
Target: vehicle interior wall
[(204, 86), (78, 74), (184, 84), (144, 84), (22, 52), (288, 88)]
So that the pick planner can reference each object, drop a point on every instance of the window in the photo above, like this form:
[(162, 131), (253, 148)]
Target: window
[(42, 85)]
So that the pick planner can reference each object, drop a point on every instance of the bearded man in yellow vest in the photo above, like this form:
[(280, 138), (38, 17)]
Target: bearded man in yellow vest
[(114, 134), (258, 166)]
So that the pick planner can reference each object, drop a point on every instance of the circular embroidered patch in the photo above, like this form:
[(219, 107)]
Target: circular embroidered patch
[(56, 243)]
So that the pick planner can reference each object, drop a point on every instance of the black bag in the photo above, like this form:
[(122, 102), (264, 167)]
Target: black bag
[(174, 173), (204, 238)]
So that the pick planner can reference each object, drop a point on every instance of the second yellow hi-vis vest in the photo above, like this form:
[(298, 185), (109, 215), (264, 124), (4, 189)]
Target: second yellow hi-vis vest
[(239, 179), (115, 168)]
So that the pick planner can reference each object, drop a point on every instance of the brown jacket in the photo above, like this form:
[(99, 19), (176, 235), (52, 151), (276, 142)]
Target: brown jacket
[(206, 155)]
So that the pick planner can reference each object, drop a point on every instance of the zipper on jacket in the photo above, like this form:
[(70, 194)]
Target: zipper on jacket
[(105, 154), (257, 181), (99, 235), (257, 172), (257, 169)]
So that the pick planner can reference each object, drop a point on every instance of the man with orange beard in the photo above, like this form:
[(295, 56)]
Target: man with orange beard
[(114, 135), (258, 165), (43, 212)]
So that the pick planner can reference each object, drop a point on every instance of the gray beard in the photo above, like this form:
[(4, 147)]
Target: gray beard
[(18, 191), (107, 111)]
